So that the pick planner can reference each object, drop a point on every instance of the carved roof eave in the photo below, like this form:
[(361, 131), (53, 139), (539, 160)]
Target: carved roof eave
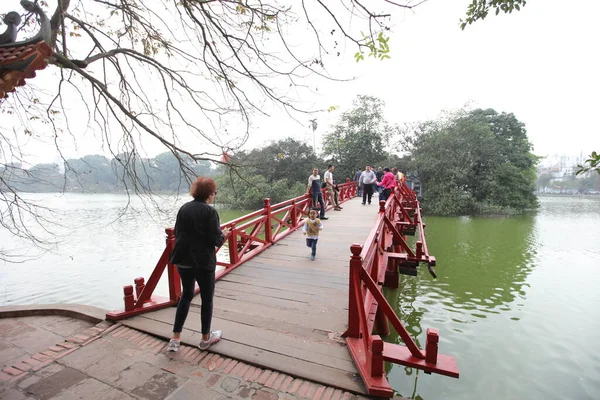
[(20, 60)]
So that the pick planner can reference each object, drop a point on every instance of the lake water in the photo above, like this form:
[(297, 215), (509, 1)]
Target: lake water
[(517, 300)]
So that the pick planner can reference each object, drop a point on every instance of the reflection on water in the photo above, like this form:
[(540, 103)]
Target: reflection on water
[(516, 302)]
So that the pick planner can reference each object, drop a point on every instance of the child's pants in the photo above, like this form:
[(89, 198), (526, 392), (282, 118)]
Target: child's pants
[(312, 243)]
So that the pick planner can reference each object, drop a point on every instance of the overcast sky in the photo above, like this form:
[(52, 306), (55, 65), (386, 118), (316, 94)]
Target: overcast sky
[(540, 63)]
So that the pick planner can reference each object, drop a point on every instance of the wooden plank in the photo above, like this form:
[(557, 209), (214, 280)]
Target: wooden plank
[(282, 276), (335, 323), (282, 304), (330, 352), (333, 300), (269, 323), (312, 269), (259, 357), (295, 287)]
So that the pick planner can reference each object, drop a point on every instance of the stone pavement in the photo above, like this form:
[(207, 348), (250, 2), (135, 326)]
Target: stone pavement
[(55, 357)]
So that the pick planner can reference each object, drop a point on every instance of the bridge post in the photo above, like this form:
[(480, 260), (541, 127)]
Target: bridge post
[(233, 246), (431, 346), (128, 298), (268, 228), (173, 274), (375, 357), (354, 286), (294, 214), (139, 286)]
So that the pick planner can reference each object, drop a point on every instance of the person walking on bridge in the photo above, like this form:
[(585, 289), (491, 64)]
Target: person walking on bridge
[(314, 190), (367, 179), (311, 228), (331, 188), (197, 235)]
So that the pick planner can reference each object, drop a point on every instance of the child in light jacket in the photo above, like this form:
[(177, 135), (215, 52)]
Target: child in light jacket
[(312, 227)]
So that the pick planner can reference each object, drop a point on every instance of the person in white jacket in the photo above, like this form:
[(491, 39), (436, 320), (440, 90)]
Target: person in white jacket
[(367, 179)]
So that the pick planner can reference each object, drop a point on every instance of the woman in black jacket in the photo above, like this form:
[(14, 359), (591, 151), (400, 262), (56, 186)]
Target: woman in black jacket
[(197, 235)]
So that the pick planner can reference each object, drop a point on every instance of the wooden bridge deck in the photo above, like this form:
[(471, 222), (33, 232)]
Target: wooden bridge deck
[(282, 311)]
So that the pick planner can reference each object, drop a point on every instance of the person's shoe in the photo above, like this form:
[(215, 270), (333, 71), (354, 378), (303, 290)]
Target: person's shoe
[(312, 258), (173, 345), (337, 209), (362, 204), (369, 203), (323, 218), (214, 337)]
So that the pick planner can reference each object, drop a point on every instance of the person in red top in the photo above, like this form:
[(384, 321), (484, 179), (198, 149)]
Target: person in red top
[(387, 182)]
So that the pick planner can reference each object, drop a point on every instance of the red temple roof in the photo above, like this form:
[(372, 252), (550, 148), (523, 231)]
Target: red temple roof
[(20, 62)]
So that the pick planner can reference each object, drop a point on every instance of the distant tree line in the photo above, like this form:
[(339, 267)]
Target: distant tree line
[(98, 174), (469, 162)]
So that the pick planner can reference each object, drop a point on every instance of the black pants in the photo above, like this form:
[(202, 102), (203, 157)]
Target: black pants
[(385, 193), (206, 282), (319, 198), (367, 192)]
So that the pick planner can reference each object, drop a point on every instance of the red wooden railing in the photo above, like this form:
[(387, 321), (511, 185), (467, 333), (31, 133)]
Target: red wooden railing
[(384, 255), (250, 235)]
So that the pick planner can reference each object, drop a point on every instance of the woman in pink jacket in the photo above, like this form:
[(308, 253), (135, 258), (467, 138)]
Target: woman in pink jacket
[(387, 182)]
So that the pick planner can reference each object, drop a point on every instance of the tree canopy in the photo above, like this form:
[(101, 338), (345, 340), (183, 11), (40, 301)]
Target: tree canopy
[(360, 136), (473, 162)]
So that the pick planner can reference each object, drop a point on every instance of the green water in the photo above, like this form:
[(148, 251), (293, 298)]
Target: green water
[(516, 302)]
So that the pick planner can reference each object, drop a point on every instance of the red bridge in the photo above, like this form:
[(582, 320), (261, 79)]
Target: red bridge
[(310, 319)]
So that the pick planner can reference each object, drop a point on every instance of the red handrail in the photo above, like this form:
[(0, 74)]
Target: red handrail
[(374, 265), (250, 235)]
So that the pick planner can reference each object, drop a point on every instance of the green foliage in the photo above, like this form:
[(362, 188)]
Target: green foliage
[(591, 164), (286, 159), (359, 137), (479, 9), (475, 162), (378, 47), (248, 192), (278, 171)]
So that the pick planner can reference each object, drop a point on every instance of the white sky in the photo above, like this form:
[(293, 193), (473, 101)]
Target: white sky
[(540, 63)]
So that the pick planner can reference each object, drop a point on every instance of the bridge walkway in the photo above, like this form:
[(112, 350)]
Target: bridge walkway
[(282, 311)]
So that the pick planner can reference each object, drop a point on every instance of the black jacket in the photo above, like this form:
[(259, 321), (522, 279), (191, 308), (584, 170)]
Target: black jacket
[(197, 234)]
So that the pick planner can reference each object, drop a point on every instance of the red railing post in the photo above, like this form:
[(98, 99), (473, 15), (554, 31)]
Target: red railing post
[(173, 274), (294, 214), (354, 285), (128, 297), (375, 357), (431, 346), (268, 227), (233, 247), (139, 285)]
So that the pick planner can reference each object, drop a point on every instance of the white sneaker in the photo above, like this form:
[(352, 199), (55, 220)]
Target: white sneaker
[(214, 337), (173, 345)]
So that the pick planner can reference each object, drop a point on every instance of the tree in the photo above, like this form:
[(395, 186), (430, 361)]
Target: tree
[(359, 137), (279, 171), (286, 159), (474, 162)]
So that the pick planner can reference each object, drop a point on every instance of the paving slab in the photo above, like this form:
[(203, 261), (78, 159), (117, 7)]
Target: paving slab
[(88, 389), (54, 384)]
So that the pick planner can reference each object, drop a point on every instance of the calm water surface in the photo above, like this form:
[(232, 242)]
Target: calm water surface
[(517, 300)]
